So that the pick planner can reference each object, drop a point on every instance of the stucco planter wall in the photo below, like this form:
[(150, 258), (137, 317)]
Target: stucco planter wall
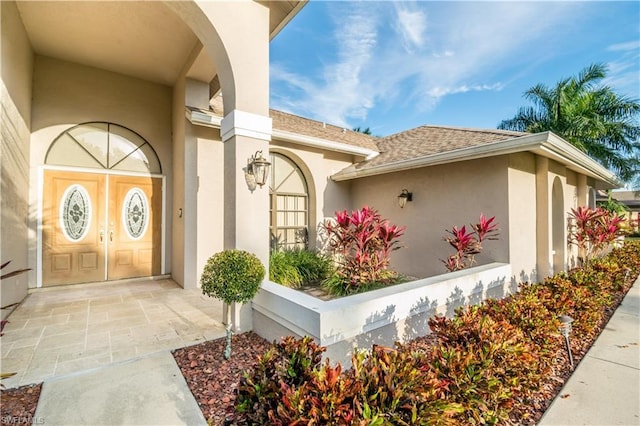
[(396, 313)]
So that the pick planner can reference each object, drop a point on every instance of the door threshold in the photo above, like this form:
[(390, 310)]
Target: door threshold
[(98, 283)]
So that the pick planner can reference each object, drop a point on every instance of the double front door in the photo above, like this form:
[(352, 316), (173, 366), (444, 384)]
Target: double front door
[(100, 227)]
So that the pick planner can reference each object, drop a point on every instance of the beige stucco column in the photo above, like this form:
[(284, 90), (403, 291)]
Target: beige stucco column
[(246, 212), (583, 190), (236, 36), (543, 241)]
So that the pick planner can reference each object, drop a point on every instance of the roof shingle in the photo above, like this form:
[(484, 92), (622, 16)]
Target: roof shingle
[(427, 140), (304, 126)]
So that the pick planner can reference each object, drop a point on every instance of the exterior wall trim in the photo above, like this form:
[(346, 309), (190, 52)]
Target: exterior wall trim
[(242, 123), (201, 118)]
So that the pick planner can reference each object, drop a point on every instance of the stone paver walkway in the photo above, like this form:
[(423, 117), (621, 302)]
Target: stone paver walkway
[(64, 330)]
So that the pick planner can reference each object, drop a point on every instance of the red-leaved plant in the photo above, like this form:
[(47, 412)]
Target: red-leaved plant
[(468, 243), (593, 230), (361, 243)]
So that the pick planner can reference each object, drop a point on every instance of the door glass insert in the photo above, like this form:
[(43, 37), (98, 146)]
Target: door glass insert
[(135, 212), (75, 214)]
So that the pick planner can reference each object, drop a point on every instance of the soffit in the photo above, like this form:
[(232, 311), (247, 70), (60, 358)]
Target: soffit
[(281, 12), (141, 39)]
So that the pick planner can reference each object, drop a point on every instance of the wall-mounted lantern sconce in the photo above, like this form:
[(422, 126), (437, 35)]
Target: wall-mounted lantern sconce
[(565, 329), (404, 197), (257, 171)]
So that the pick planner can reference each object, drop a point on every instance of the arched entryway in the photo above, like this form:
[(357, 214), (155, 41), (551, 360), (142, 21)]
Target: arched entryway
[(102, 206), (558, 237), (289, 204)]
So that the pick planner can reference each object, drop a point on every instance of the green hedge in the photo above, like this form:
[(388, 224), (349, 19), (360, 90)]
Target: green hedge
[(487, 365)]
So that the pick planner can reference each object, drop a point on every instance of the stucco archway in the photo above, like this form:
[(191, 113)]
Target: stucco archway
[(558, 237), (236, 38)]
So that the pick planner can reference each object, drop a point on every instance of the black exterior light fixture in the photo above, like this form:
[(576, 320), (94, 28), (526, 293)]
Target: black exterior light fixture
[(258, 167), (565, 329), (404, 197)]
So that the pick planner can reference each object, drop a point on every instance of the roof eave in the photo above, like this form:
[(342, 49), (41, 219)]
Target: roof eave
[(297, 8), (546, 144), (314, 142), (203, 118)]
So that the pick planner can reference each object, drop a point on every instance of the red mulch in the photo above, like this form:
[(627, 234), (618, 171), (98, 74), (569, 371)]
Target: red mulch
[(214, 380), (18, 406)]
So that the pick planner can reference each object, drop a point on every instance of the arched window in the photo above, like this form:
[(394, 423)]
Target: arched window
[(103, 146), (289, 204)]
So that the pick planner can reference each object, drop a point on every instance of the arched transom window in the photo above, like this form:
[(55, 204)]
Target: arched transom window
[(103, 146), (289, 208)]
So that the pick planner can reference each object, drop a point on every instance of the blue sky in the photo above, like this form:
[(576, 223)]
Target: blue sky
[(393, 65)]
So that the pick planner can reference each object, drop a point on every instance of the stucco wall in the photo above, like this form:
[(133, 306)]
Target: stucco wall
[(210, 195), (443, 196), (522, 217), (66, 94), (384, 316), (15, 93)]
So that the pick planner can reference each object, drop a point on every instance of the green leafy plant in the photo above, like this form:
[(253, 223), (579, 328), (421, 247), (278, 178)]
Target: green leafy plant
[(233, 276), (296, 267), (593, 230), (469, 243), (361, 243), (487, 365), (290, 363)]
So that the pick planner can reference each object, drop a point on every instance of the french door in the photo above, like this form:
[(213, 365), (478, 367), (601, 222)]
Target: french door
[(100, 227)]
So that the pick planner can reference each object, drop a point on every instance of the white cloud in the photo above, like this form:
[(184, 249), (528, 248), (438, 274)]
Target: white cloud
[(623, 74), (411, 25), (384, 59), (630, 45), (439, 92), (340, 93)]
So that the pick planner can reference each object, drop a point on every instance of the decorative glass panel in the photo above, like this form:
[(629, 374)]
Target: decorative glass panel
[(94, 138), (66, 151), (75, 213), (103, 146), (135, 213)]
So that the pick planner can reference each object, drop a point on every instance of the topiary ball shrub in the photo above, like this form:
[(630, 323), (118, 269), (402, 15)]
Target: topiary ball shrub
[(233, 276)]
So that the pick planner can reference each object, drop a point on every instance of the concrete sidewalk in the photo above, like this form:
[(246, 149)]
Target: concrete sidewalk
[(146, 391), (605, 387)]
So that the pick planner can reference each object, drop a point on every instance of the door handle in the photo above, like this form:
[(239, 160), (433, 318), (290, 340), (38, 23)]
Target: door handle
[(101, 236), (111, 236)]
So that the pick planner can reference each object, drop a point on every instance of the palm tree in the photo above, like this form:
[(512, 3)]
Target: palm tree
[(589, 115), (366, 131)]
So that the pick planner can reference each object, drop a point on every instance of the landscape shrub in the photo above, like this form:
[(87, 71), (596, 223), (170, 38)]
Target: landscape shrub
[(479, 367), (469, 243), (296, 267), (361, 243), (593, 230), (233, 276), (288, 364), (488, 363)]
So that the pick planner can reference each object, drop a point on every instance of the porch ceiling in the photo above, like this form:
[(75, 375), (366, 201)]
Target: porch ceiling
[(140, 39), (143, 39)]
